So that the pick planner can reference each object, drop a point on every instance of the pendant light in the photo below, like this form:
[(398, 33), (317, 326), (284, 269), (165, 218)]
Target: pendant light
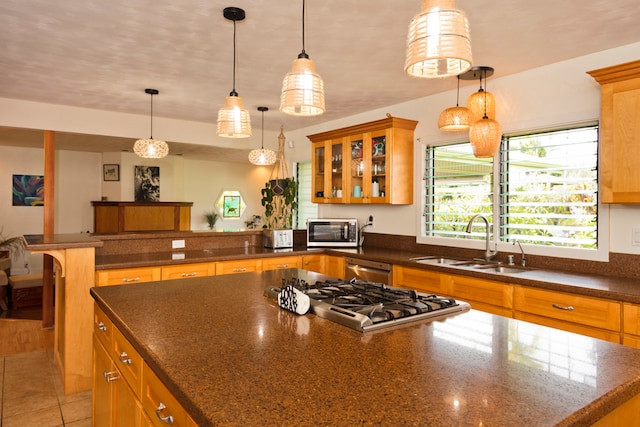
[(233, 119), (485, 134), (480, 102), (302, 89), (454, 118), (262, 157), (438, 42), (151, 148)]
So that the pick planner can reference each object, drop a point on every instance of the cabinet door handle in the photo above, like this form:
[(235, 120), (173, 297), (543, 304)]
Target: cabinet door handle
[(282, 266), (240, 270), (110, 376), (194, 274), (124, 358), (168, 419), (135, 279), (562, 307), (102, 327)]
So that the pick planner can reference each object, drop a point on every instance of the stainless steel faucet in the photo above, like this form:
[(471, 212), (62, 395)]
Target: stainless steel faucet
[(488, 253), (523, 259)]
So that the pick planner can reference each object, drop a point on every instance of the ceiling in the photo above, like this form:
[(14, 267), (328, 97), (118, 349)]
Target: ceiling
[(102, 55)]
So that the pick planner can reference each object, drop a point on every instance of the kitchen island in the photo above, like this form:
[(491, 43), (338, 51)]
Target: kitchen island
[(230, 356)]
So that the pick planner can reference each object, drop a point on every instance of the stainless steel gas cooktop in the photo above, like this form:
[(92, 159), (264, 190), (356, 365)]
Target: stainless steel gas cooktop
[(367, 306)]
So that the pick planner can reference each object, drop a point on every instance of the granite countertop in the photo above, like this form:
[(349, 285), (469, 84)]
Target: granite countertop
[(43, 242), (233, 357)]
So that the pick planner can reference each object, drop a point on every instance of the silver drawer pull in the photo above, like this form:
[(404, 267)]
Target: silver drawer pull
[(240, 270), (168, 419), (562, 307), (135, 279), (124, 358), (102, 327), (110, 376), (282, 266), (194, 274)]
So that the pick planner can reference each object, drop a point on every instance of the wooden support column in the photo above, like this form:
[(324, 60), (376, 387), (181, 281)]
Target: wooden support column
[(49, 205)]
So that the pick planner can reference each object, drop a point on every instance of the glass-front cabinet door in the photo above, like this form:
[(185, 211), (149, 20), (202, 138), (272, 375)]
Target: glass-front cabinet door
[(328, 167), (318, 186), (357, 168), (378, 167)]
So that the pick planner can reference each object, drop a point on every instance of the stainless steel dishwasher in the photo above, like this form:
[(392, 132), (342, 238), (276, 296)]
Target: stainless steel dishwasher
[(362, 269)]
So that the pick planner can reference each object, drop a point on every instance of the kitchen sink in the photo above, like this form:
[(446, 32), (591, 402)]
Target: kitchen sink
[(435, 260), (503, 269)]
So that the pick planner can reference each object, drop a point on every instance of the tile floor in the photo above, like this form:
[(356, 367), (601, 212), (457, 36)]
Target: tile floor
[(31, 394)]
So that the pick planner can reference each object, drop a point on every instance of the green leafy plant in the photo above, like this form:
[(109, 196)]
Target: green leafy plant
[(17, 244), (212, 218), (280, 205)]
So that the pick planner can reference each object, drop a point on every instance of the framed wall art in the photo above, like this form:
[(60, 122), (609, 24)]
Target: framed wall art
[(111, 172), (147, 184), (28, 190)]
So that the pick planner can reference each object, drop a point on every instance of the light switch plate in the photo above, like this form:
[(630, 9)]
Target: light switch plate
[(635, 236), (177, 244)]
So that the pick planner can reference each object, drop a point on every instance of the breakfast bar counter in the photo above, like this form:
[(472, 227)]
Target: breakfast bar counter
[(231, 356)]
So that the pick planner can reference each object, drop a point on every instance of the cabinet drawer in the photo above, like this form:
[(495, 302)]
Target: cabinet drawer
[(160, 404), (420, 280), (183, 271), (102, 326), (582, 310), (127, 275), (282, 262), (128, 361), (239, 266), (601, 334), (485, 291), (631, 319), (631, 341)]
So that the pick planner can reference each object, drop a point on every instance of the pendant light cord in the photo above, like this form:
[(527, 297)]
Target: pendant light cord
[(151, 119), (458, 93), (233, 91), (262, 143), (303, 54)]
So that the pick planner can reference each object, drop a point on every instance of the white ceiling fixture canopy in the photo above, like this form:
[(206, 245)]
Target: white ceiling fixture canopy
[(234, 120), (151, 148), (439, 41), (302, 88)]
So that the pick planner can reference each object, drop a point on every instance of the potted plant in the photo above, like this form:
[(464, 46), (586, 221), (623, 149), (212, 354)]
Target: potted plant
[(9, 244), (212, 218), (280, 203)]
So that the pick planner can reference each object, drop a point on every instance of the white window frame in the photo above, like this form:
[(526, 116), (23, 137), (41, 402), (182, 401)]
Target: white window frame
[(599, 254)]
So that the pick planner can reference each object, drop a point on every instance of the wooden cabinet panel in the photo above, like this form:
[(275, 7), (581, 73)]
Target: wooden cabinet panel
[(581, 310), (315, 262), (569, 326), (485, 291), (102, 327), (184, 271), (619, 133), (334, 266), (158, 400), (127, 275), (127, 361), (238, 266), (346, 162), (421, 280), (631, 341), (282, 262), (631, 314), (118, 217)]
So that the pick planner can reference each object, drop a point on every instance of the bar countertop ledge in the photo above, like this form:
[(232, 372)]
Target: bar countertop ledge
[(233, 357)]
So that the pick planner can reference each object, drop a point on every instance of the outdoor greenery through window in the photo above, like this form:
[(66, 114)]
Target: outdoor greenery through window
[(547, 189)]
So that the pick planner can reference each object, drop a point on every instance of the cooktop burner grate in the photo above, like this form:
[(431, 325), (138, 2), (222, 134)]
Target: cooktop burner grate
[(364, 305)]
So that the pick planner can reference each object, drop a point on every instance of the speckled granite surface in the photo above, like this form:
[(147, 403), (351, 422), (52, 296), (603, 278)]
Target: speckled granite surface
[(232, 357)]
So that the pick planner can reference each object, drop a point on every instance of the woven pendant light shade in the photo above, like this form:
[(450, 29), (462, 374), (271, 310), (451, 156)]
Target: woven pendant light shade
[(233, 119), (477, 108), (454, 119), (262, 157), (485, 136), (438, 42), (151, 148), (302, 90)]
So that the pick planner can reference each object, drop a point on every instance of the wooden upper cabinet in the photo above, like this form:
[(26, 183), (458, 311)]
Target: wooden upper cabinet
[(619, 133), (366, 163)]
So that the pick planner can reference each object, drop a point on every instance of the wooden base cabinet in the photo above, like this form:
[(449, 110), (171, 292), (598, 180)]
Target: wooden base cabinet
[(594, 317), (631, 325), (126, 392), (326, 264)]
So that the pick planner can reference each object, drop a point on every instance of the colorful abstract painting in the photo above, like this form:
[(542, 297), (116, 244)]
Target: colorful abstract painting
[(28, 190)]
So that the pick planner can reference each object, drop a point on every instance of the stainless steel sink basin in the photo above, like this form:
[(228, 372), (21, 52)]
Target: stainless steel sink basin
[(502, 269), (435, 260)]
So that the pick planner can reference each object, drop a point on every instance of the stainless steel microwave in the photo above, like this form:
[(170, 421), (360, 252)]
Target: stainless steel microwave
[(332, 233)]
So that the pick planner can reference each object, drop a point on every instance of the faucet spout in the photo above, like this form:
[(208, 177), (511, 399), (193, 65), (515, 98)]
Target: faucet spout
[(488, 253), (523, 259)]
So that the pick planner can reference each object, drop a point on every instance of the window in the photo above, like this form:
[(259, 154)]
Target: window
[(543, 191), (306, 209)]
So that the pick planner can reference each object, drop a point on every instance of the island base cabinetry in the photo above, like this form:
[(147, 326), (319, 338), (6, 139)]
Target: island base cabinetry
[(126, 392), (631, 325)]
